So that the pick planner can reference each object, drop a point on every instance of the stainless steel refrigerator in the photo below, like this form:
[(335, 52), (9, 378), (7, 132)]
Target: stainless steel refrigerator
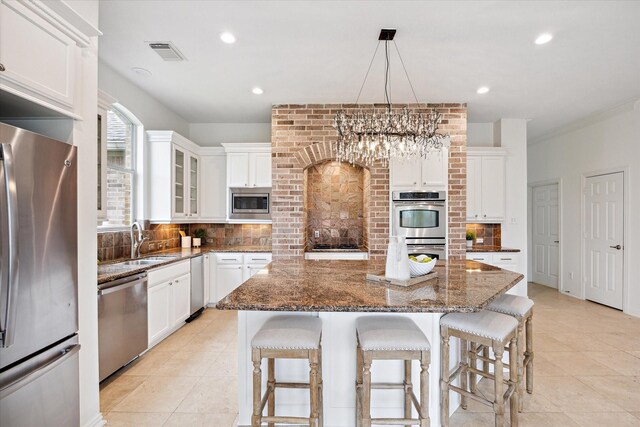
[(38, 281)]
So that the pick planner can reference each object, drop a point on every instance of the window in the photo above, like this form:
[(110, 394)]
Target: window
[(120, 170)]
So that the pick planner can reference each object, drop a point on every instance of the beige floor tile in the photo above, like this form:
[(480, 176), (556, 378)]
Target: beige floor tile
[(541, 419), (218, 395), (634, 353), (599, 419), (178, 419), (579, 342), (117, 389), (470, 419), (621, 341), (548, 343), (621, 362), (187, 364), (135, 419), (624, 391), (569, 394), (544, 367), (206, 345), (226, 364), (148, 363), (175, 342), (578, 363), (157, 394), (636, 414)]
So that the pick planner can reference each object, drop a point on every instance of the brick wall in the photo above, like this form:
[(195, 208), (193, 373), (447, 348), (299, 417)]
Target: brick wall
[(302, 135)]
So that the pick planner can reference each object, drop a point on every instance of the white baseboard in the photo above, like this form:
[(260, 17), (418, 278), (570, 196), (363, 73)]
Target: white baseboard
[(97, 421)]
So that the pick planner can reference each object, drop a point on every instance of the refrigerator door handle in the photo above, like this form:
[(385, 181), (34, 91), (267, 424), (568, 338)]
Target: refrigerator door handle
[(40, 371), (9, 228)]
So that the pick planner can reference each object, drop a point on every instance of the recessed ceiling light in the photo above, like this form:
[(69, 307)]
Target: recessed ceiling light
[(141, 71), (257, 91), (544, 38), (482, 90), (227, 37)]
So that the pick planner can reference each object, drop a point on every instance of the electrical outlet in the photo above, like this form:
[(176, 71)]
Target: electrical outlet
[(479, 240), (571, 275), (316, 234)]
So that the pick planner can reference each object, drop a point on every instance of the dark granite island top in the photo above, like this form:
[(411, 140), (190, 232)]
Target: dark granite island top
[(341, 286)]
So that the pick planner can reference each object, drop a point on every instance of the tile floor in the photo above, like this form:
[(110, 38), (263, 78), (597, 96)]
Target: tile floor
[(587, 372)]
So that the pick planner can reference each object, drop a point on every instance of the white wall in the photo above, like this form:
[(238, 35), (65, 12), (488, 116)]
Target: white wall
[(212, 134), (151, 112), (480, 135), (607, 142)]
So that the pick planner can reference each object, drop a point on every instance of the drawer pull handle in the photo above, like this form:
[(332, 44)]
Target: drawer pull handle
[(259, 259), (506, 259), (478, 259), (229, 259)]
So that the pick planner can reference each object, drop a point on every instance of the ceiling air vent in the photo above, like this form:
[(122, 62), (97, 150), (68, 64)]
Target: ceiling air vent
[(167, 51)]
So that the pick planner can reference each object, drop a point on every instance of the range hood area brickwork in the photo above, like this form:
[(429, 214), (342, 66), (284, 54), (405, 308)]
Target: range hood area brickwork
[(303, 135)]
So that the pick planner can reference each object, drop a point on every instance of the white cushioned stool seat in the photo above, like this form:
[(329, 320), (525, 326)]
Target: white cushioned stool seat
[(512, 305), (289, 332), (388, 333), (484, 323)]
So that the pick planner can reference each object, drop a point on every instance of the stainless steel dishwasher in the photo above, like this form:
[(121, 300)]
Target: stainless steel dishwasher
[(197, 287), (122, 322)]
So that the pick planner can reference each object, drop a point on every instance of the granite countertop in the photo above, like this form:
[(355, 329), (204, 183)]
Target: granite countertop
[(341, 286), (111, 270), (490, 248)]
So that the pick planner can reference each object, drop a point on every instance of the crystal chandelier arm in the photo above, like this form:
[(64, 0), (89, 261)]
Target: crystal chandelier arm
[(375, 52), (406, 73)]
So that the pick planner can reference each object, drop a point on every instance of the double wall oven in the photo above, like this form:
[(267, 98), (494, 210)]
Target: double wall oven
[(421, 217)]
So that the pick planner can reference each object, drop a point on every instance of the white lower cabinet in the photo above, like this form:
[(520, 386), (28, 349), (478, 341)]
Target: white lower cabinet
[(169, 299), (504, 260), (227, 271)]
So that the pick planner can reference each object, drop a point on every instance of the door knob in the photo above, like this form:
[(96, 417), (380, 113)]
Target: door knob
[(556, 241), (618, 247)]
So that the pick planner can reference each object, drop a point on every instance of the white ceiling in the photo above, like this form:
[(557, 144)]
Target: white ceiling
[(318, 52)]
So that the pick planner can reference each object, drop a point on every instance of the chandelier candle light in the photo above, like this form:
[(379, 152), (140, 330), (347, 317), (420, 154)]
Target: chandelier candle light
[(378, 136)]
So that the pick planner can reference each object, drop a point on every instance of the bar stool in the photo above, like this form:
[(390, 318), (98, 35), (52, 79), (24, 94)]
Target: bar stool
[(522, 309), (287, 337), (391, 338), (492, 330)]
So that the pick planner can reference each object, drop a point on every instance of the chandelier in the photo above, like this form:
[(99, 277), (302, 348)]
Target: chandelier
[(387, 133)]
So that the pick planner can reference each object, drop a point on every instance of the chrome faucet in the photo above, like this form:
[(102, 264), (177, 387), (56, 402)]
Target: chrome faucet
[(136, 243)]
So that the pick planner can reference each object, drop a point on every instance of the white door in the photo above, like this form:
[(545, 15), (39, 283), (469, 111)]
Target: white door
[(405, 174), (603, 238), (546, 238), (228, 277), (181, 297), (492, 186), (260, 168), (214, 181), (237, 169), (158, 311), (435, 169), (474, 166)]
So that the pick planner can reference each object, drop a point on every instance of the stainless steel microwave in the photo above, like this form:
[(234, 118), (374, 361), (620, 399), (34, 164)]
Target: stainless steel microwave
[(250, 203)]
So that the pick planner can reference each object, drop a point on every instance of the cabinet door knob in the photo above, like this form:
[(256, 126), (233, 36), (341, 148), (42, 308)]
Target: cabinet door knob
[(2, 67), (170, 283), (476, 215), (414, 183), (485, 215)]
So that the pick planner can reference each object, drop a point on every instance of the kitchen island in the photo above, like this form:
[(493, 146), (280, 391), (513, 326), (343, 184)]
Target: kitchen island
[(338, 293)]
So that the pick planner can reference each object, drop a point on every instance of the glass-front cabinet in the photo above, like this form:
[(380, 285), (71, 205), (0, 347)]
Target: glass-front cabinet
[(193, 185), (185, 183), (178, 182)]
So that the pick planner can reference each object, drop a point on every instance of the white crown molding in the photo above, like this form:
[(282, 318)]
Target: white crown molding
[(588, 120), (105, 101), (245, 147), (212, 151), (479, 151)]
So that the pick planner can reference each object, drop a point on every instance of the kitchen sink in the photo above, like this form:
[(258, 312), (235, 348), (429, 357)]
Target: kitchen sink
[(147, 261)]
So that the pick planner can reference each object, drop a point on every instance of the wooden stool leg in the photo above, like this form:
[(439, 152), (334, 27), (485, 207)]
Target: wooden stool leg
[(256, 419), (320, 390), (464, 362), (514, 376), (313, 387), (271, 388), (529, 353), (425, 359), (444, 378), (473, 362), (358, 386), (407, 389), (366, 389), (520, 361), (498, 396), (485, 354)]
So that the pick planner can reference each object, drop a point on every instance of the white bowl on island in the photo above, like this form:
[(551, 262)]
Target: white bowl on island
[(418, 268)]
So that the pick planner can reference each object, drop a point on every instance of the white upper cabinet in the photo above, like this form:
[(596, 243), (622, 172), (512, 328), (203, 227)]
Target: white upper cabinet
[(213, 181), (485, 185), (421, 174), (248, 164), (174, 178), (40, 55), (237, 169)]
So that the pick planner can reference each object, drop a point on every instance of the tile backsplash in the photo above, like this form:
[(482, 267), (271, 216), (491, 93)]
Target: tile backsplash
[(117, 244), (491, 233)]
